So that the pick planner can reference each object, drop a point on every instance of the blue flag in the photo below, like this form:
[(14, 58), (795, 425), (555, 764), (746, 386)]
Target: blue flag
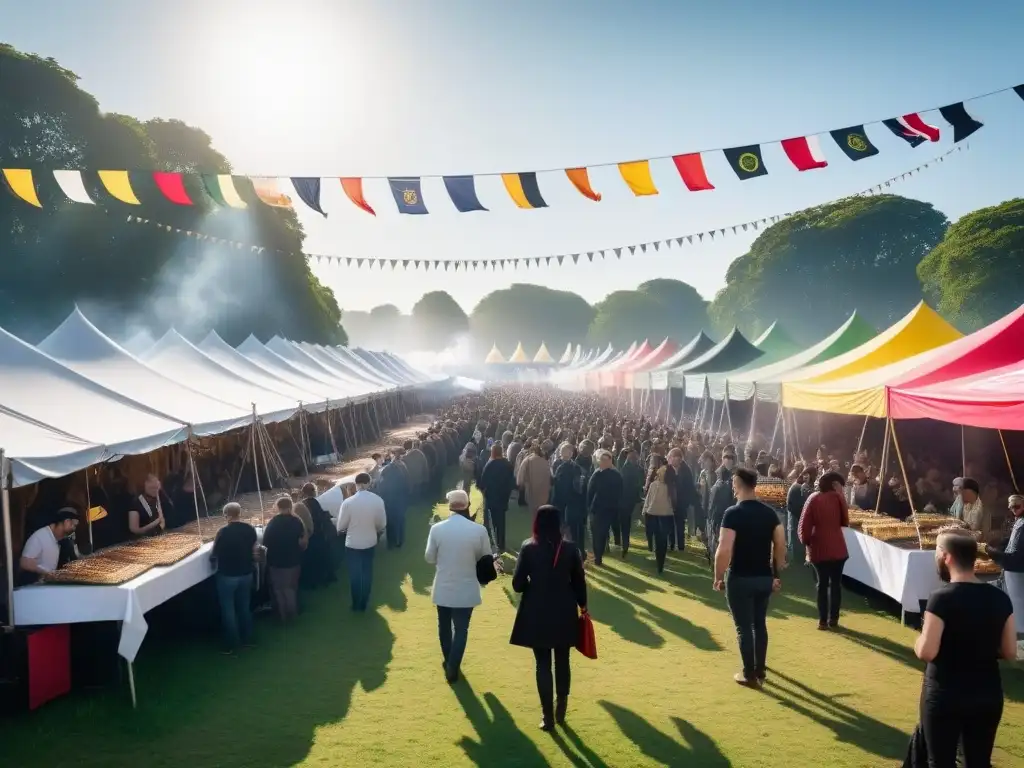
[(408, 196), (308, 190), (462, 191)]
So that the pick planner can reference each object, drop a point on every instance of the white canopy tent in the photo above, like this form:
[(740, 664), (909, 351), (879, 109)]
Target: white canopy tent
[(329, 356), (35, 451), (330, 386), (298, 357)]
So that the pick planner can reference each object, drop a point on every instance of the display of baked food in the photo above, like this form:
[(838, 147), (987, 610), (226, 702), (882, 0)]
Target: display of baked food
[(156, 550), (97, 570)]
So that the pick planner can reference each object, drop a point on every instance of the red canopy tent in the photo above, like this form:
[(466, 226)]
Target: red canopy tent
[(648, 362), (993, 400)]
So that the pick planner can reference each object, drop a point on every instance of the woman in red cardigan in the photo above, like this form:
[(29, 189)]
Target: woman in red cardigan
[(824, 516)]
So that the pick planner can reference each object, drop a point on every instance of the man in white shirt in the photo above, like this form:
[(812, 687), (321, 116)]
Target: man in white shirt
[(455, 546), (362, 519), (41, 552)]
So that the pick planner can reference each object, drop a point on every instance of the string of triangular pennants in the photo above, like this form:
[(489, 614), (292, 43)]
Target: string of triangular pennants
[(466, 265), (231, 191)]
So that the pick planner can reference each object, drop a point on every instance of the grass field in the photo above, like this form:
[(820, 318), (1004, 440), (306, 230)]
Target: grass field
[(343, 690)]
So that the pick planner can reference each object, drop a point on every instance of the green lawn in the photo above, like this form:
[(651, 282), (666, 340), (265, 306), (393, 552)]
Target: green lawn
[(343, 690)]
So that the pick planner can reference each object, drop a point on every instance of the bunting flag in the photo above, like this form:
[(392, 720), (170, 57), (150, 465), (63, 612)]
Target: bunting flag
[(1019, 90), (353, 188), (691, 171), (915, 124), (746, 161), (19, 180), (462, 191), (308, 190), (71, 184), (172, 186), (523, 189), (963, 124), (408, 196), (580, 179), (854, 142), (269, 191), (119, 186), (637, 176), (221, 188), (804, 153), (900, 130)]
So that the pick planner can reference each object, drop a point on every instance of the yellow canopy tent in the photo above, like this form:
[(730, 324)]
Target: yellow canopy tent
[(494, 356), (852, 383), (519, 356), (543, 356)]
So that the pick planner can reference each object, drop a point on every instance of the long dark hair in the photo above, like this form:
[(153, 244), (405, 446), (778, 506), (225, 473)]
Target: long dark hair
[(547, 525)]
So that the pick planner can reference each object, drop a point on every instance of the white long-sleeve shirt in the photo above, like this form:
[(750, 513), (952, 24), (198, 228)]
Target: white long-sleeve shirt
[(362, 519), (454, 546)]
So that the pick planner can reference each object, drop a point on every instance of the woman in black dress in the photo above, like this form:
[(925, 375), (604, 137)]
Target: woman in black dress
[(549, 576)]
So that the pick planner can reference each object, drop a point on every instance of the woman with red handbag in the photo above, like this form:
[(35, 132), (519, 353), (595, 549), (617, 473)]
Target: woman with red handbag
[(549, 576)]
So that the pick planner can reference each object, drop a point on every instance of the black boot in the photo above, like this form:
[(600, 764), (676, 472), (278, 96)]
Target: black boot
[(547, 722), (561, 705)]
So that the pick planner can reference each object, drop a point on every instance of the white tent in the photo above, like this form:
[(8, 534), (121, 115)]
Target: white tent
[(356, 364), (346, 385), (82, 347), (35, 451), (336, 391), (174, 353)]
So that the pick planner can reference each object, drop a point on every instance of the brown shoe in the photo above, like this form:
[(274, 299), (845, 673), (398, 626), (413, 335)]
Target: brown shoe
[(822, 627), (742, 679)]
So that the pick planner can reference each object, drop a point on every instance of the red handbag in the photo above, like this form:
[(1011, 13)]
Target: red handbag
[(587, 643)]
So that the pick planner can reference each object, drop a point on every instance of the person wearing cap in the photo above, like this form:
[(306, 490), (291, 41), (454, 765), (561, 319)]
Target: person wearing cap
[(1010, 555), (454, 546), (41, 553), (362, 519)]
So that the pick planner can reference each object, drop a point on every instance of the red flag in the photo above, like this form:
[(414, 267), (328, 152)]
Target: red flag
[(353, 187), (691, 169), (805, 153), (914, 122), (172, 186)]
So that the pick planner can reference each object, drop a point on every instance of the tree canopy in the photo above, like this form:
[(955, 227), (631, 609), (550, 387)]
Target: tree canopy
[(128, 276), (437, 321), (812, 269), (531, 314), (656, 309), (975, 275)]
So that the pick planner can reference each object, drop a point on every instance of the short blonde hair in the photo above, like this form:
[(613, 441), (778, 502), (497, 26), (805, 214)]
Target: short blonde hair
[(284, 504), (232, 509)]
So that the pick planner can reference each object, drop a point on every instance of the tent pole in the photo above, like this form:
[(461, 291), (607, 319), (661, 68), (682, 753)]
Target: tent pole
[(797, 448), (728, 410), (255, 463), (753, 415), (1009, 464), (963, 453), (5, 503), (785, 435), (195, 482), (88, 506), (906, 481), (885, 459), (860, 443), (775, 430)]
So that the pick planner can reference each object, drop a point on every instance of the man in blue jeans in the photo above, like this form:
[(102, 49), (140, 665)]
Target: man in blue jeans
[(750, 557), (454, 546), (362, 519), (233, 551)]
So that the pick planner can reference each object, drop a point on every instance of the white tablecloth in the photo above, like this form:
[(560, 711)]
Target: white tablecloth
[(127, 603), (906, 575)]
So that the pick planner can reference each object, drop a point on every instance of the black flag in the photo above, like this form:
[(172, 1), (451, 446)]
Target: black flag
[(854, 142), (746, 161), (1019, 90), (963, 124), (913, 139)]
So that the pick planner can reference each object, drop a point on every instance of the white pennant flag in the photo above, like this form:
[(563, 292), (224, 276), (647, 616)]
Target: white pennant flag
[(71, 184)]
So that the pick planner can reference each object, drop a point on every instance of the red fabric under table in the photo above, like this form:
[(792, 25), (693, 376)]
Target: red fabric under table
[(49, 664)]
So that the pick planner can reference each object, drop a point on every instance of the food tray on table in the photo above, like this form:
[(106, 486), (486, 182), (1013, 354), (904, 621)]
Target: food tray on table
[(156, 550), (771, 491), (891, 531), (209, 526), (97, 570)]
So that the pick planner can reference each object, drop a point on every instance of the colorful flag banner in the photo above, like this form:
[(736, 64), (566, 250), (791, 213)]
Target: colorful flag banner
[(172, 186), (1019, 90), (269, 191), (804, 153), (746, 161), (353, 188), (854, 142), (21, 185), (462, 191), (900, 130), (580, 179), (221, 188), (691, 171), (119, 186), (523, 189), (963, 124), (71, 184), (915, 124), (637, 176), (308, 190), (408, 196)]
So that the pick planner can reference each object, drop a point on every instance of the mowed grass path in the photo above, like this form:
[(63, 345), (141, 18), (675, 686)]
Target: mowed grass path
[(343, 690)]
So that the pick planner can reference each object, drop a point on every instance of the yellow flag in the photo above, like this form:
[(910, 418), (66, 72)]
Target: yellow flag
[(637, 176), (20, 182), (119, 186)]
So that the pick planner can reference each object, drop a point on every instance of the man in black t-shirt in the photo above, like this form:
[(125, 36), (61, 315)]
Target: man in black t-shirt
[(751, 554), (233, 551)]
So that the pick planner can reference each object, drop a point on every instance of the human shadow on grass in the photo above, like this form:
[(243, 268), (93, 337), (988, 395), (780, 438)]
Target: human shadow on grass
[(499, 740), (699, 749), (849, 725), (575, 751)]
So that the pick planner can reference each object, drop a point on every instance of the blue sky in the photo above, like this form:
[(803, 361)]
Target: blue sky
[(311, 87)]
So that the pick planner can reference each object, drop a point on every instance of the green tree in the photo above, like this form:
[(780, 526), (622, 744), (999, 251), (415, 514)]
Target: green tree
[(531, 314), (656, 309), (437, 321), (131, 275), (811, 270), (974, 275)]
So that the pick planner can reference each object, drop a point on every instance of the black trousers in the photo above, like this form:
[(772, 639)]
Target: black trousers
[(562, 674), (949, 718), (677, 536), (661, 528), (829, 574), (621, 527), (577, 524), (601, 525), (497, 521)]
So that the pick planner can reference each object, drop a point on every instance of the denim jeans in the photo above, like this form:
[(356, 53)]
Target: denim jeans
[(360, 575), (748, 603), (453, 632), (797, 551), (233, 593)]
